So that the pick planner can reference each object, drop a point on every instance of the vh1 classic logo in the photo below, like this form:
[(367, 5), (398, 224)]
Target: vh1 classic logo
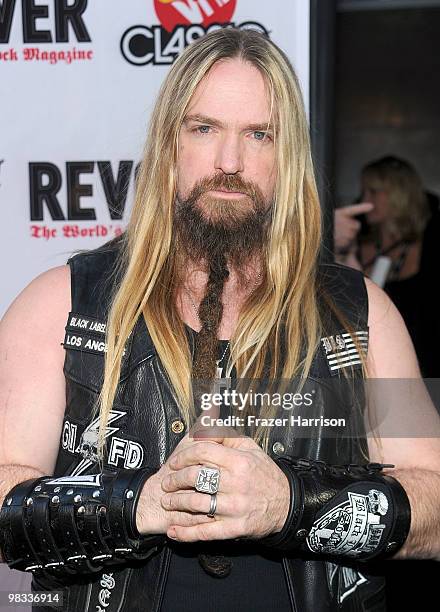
[(181, 22)]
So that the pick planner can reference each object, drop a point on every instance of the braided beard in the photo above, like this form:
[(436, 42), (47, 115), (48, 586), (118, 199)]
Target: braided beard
[(217, 231)]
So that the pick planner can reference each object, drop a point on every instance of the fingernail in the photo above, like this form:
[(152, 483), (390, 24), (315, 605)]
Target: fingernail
[(172, 533)]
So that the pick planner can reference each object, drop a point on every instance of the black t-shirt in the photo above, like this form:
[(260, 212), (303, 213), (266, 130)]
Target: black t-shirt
[(256, 581)]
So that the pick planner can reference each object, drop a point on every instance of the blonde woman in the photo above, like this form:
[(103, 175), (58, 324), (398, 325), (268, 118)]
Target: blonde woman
[(402, 231)]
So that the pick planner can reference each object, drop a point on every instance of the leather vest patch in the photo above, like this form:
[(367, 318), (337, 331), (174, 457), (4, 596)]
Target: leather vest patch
[(341, 352), (84, 333)]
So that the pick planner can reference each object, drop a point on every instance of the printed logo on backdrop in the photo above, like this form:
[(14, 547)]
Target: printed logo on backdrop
[(47, 181), (181, 23), (44, 30)]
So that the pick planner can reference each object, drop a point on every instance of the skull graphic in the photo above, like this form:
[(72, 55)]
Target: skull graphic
[(88, 445), (378, 502)]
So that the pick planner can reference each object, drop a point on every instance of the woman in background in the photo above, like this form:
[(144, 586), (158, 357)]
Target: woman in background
[(404, 227)]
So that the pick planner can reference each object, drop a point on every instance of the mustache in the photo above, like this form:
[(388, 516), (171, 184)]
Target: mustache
[(225, 182)]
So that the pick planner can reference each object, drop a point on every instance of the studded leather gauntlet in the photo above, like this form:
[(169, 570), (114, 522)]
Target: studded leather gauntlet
[(344, 510), (75, 524)]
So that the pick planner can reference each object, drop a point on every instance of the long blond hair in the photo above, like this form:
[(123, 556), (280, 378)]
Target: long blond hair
[(407, 201), (283, 309)]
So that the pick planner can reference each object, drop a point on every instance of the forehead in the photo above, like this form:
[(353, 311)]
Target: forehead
[(233, 91), (371, 178)]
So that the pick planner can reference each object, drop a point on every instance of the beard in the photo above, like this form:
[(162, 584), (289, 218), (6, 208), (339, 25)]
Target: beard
[(217, 232), (212, 228)]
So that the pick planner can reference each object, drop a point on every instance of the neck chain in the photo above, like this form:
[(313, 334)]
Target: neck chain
[(196, 310)]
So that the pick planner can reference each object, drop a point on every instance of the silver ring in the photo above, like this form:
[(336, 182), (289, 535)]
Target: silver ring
[(207, 480), (213, 505)]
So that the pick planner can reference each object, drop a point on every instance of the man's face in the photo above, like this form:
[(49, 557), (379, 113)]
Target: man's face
[(226, 161)]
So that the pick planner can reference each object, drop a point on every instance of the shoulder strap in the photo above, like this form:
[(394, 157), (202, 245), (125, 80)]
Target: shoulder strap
[(346, 287), (93, 279)]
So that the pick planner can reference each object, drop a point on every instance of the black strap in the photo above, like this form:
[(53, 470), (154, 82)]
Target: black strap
[(75, 524), (16, 544)]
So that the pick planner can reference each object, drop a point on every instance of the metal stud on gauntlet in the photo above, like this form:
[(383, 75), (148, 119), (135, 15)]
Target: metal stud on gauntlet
[(75, 524)]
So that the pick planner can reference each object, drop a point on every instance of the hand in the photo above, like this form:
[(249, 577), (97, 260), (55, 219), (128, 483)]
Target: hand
[(151, 517), (253, 497), (346, 226)]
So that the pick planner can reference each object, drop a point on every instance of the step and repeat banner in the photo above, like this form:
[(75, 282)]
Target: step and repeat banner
[(78, 80)]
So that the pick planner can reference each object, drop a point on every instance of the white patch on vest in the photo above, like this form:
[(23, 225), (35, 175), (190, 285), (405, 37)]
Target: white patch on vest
[(341, 351)]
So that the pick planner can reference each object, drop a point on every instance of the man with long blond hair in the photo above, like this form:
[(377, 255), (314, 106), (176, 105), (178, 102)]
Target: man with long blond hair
[(115, 491)]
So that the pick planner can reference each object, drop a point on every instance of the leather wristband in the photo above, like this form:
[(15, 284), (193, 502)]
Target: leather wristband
[(16, 547), (75, 524), (122, 516), (342, 510)]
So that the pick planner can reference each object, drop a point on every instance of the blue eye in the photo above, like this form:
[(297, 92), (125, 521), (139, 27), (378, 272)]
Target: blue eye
[(200, 127), (265, 136)]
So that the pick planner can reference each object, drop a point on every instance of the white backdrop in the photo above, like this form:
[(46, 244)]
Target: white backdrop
[(69, 124), (76, 92)]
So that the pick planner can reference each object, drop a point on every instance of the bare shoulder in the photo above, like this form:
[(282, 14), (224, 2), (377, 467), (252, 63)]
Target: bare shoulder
[(391, 351), (32, 384), (46, 292)]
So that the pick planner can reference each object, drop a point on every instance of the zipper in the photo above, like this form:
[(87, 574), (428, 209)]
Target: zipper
[(287, 575)]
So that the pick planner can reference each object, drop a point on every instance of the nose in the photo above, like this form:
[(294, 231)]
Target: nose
[(229, 155)]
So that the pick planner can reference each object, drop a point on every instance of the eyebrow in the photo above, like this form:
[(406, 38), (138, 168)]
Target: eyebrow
[(216, 123)]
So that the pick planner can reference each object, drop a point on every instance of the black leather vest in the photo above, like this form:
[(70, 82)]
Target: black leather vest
[(144, 428)]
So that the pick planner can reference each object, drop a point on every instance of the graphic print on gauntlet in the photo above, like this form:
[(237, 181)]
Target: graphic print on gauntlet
[(343, 510), (352, 526)]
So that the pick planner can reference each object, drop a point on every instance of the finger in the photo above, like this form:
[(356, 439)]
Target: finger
[(357, 209), (228, 436), (207, 531), (187, 501), (240, 442), (206, 428), (187, 519), (206, 453)]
